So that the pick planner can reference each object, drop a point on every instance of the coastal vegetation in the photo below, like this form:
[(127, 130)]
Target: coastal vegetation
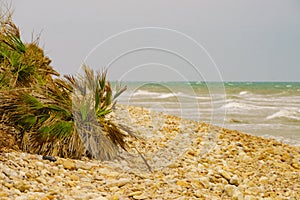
[(54, 115)]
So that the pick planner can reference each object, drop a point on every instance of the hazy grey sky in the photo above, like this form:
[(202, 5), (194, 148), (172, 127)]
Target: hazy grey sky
[(255, 40)]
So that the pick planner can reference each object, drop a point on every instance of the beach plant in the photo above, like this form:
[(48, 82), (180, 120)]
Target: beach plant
[(22, 65), (58, 120), (92, 101), (59, 116)]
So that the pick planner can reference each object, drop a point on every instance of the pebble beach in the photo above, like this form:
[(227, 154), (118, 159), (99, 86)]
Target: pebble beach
[(172, 158)]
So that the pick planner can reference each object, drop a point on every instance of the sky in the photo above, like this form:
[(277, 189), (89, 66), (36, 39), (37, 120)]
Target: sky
[(168, 40)]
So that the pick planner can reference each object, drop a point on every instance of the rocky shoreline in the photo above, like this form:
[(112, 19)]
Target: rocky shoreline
[(172, 159)]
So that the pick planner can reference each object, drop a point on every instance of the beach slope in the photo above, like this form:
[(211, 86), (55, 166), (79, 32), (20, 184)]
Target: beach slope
[(172, 158)]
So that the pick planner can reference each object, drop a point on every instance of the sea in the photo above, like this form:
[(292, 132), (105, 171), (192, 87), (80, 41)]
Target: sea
[(266, 109)]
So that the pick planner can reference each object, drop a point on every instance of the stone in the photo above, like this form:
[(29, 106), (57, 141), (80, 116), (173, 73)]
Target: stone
[(234, 180), (2, 176), (45, 172), (119, 183), (173, 165), (39, 164), (9, 173), (135, 193), (22, 186), (250, 197), (229, 190), (32, 197), (84, 166), (244, 157), (223, 181), (219, 187), (71, 183), (251, 184), (114, 189), (100, 198), (74, 177), (3, 194), (68, 164), (138, 197), (50, 158), (97, 177), (15, 191), (199, 194), (295, 165), (8, 185), (50, 197), (22, 174), (103, 171), (41, 180), (225, 174), (114, 197), (204, 181), (213, 179), (113, 174), (263, 180), (21, 198), (45, 198), (182, 183), (237, 195)]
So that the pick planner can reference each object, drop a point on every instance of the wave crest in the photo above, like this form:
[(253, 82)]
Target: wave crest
[(291, 115), (161, 95)]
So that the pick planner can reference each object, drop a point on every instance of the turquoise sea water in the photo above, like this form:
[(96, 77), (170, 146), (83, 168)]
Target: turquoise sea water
[(268, 109)]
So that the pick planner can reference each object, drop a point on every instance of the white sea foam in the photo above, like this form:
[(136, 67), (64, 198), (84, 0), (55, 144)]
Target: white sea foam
[(244, 92), (277, 100), (163, 95), (145, 93), (193, 96), (286, 114), (241, 106), (167, 95)]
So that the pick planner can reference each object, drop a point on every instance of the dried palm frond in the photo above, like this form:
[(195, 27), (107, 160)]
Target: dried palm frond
[(52, 121), (45, 124), (93, 99), (22, 65)]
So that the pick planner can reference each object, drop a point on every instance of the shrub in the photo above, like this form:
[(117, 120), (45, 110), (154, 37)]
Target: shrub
[(55, 116)]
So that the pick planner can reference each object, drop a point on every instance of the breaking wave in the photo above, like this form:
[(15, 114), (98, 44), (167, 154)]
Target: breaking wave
[(290, 115), (240, 106), (244, 92), (161, 95)]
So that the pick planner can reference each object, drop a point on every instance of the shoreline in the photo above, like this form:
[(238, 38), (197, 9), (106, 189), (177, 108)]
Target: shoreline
[(188, 159), (268, 110)]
